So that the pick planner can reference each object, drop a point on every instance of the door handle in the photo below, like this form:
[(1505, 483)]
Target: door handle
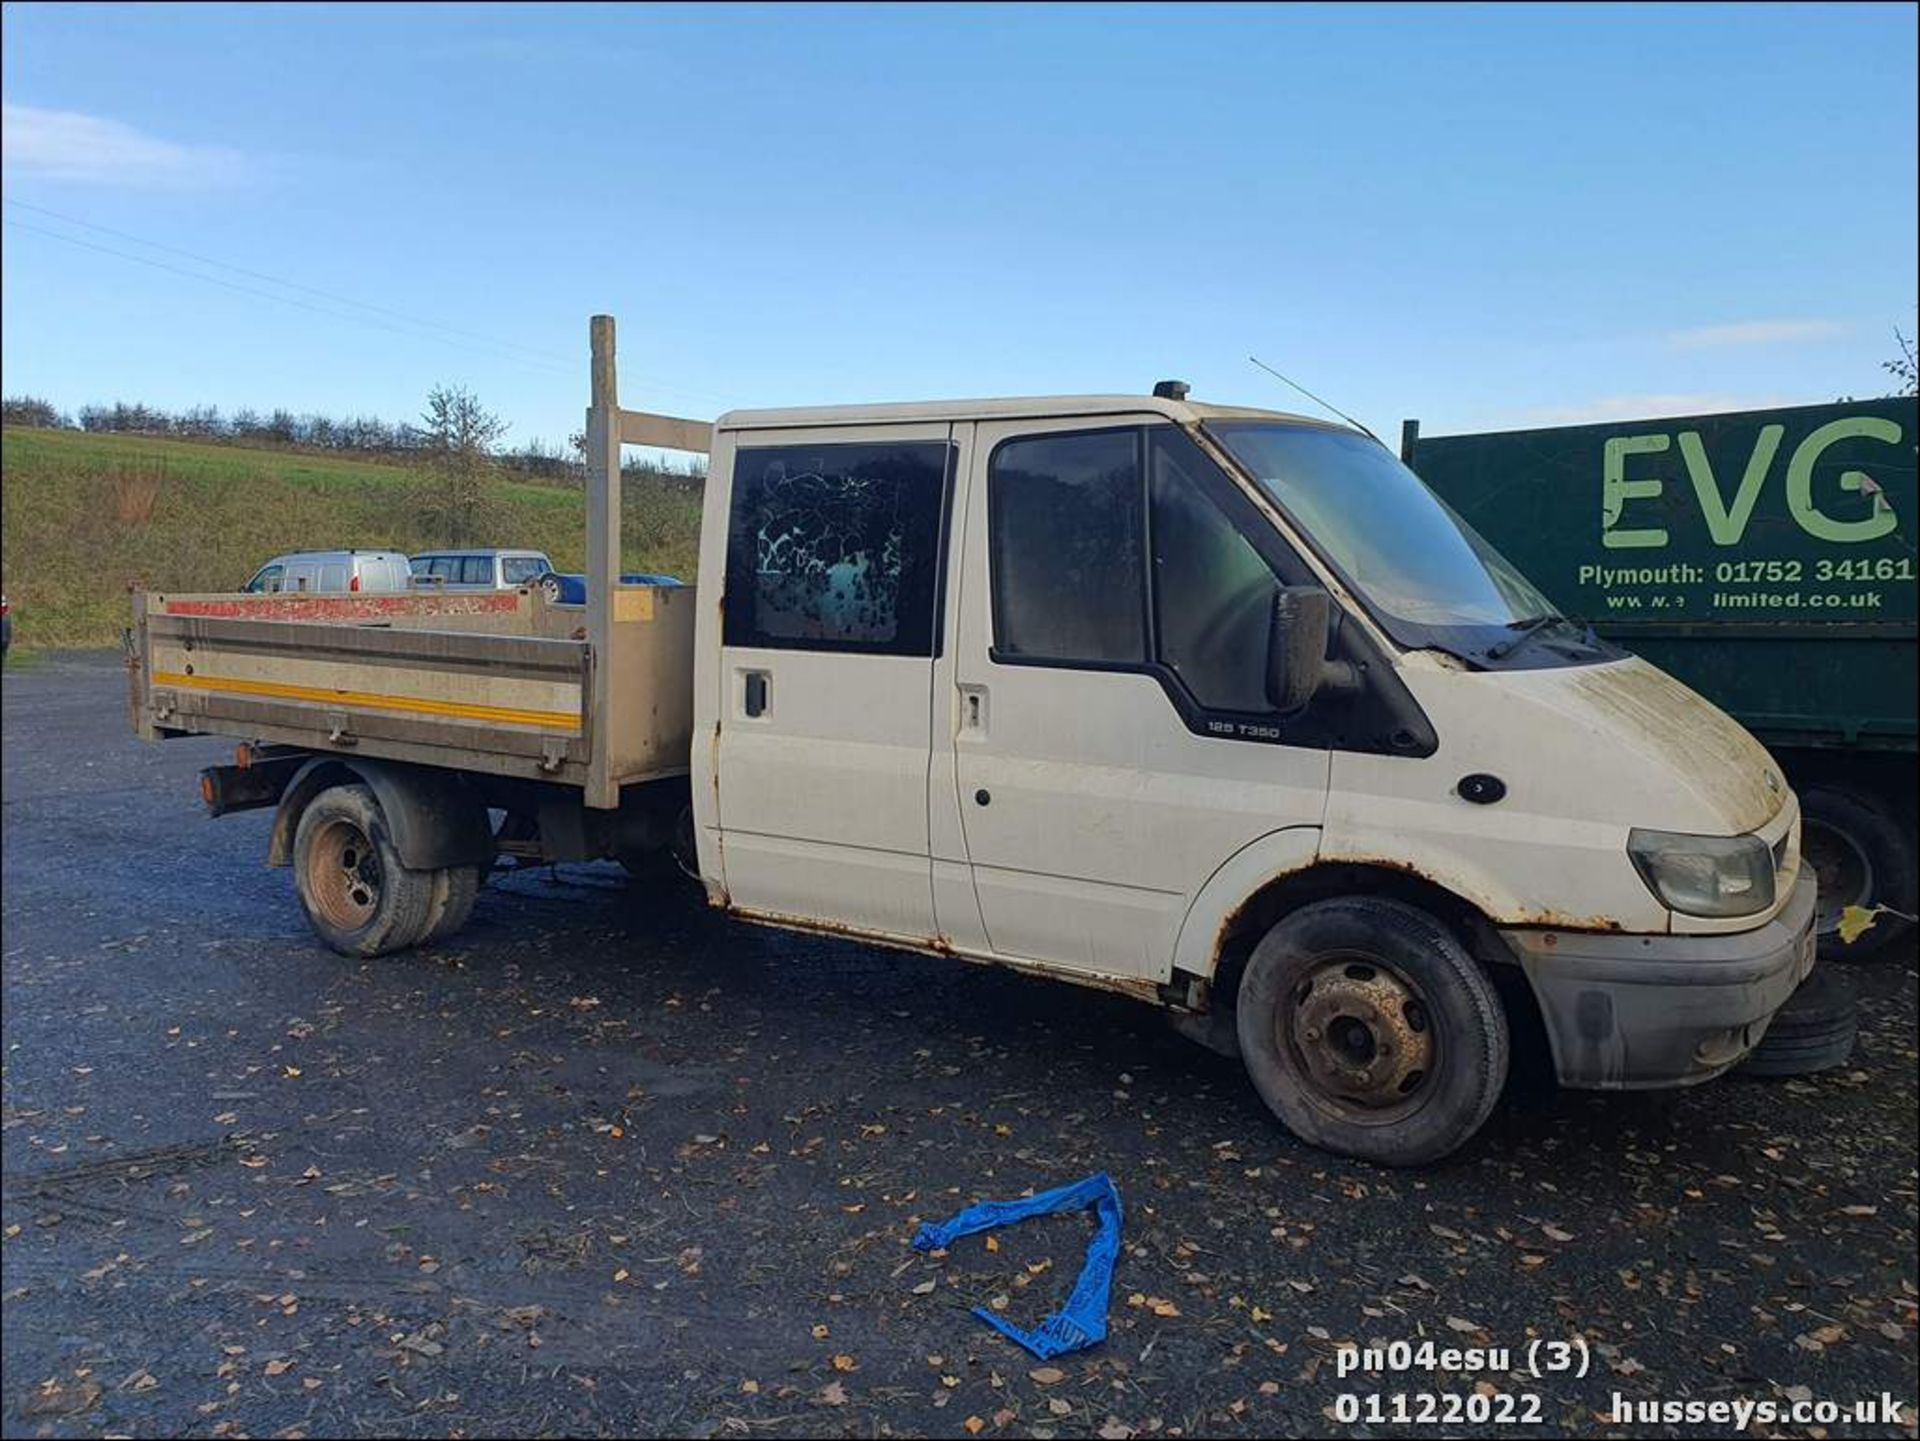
[(973, 709), (756, 697)]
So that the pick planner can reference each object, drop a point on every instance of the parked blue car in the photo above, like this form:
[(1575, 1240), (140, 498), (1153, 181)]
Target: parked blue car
[(563, 588)]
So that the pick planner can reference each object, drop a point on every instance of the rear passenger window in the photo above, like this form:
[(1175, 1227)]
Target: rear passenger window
[(476, 570), (521, 569), (837, 547), (1065, 523)]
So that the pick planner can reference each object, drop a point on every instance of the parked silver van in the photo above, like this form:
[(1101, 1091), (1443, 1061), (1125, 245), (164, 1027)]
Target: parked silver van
[(331, 571), (486, 569)]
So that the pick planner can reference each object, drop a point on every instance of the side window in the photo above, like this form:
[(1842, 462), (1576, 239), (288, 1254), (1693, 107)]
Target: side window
[(418, 565), (267, 581), (476, 570), (444, 568), (521, 569), (1212, 593), (1065, 527), (837, 547)]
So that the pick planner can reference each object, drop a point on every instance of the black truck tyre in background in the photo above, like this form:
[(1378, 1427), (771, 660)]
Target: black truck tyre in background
[(1813, 1031), (1862, 854)]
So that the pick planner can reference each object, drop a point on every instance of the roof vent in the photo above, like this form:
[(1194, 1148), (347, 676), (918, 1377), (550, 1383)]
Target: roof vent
[(1170, 389)]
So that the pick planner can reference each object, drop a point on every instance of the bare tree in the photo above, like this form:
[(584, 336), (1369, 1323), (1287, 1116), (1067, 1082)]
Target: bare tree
[(458, 491), (1901, 367)]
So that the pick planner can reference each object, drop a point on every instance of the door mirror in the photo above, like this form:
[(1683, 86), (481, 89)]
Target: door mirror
[(1297, 628)]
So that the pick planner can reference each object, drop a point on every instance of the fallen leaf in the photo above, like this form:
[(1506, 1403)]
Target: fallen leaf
[(1059, 1407), (832, 1394), (973, 1425), (1554, 1233), (750, 1387), (993, 1244), (1461, 1323), (925, 1288), (279, 1368), (1047, 1375), (1856, 921), (819, 1333), (845, 1363)]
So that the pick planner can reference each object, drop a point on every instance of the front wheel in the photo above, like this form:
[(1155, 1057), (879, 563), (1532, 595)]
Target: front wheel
[(1369, 1031)]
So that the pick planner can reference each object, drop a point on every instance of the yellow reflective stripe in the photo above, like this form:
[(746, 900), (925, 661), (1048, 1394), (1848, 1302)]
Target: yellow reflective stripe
[(552, 719)]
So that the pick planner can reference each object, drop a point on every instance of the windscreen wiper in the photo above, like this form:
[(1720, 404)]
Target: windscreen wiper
[(1523, 631)]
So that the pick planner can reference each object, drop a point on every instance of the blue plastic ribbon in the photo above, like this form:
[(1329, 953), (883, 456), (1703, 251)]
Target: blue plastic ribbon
[(1082, 1321)]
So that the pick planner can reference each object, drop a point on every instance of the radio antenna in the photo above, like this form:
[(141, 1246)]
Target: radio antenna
[(1316, 399)]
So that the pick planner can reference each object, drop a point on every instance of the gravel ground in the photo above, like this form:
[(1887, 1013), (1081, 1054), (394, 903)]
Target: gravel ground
[(608, 1163)]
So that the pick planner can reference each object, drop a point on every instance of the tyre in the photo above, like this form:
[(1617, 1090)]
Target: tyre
[(358, 897), (1861, 855), (455, 888), (1369, 1030), (1814, 1031)]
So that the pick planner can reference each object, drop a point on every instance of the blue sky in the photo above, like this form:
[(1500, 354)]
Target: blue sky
[(1484, 217)]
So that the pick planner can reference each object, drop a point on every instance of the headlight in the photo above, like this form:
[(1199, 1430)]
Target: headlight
[(1705, 875)]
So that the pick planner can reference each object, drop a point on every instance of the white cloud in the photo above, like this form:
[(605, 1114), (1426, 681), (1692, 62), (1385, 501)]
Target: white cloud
[(67, 145), (1643, 407), (1754, 332)]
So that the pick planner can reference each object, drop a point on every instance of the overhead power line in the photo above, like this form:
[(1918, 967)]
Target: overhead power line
[(502, 349)]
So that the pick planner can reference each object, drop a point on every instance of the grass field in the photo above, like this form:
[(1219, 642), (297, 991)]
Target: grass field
[(85, 517)]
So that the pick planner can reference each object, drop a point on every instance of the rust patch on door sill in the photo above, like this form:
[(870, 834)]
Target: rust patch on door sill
[(1137, 988)]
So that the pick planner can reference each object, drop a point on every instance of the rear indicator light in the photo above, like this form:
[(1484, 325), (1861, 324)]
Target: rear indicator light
[(354, 584)]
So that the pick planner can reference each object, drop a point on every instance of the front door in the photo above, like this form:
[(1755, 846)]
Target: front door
[(1113, 742), (831, 624)]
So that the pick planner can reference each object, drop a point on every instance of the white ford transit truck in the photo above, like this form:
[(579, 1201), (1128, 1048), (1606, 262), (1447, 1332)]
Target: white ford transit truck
[(1219, 708)]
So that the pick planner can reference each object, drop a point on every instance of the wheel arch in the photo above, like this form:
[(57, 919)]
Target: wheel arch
[(1282, 872), (434, 817)]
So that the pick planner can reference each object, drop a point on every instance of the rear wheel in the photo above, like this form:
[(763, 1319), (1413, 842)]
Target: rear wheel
[(1370, 1031), (1861, 856), (358, 897)]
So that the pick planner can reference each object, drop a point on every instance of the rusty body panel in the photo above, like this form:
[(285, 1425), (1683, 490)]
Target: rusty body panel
[(424, 608), (1132, 986)]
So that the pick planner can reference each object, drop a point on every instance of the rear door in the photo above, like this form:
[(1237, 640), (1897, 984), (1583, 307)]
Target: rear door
[(830, 626)]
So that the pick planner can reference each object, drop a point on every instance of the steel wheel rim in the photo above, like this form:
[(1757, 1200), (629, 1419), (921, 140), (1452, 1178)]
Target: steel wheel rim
[(1360, 1036), (1843, 876), (344, 875)]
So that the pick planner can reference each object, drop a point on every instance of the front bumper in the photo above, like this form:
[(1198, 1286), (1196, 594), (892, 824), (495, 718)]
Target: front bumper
[(1627, 1013)]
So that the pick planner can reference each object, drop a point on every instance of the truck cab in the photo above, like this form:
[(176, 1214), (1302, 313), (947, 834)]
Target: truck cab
[(1221, 708)]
